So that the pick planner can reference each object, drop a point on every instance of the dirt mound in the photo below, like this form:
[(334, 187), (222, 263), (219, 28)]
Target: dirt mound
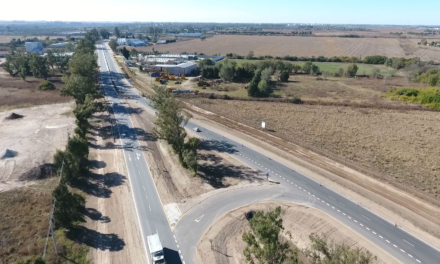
[(8, 154), (14, 116), (40, 172)]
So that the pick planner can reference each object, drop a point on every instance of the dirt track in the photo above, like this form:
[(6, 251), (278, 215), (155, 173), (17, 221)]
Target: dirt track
[(223, 244)]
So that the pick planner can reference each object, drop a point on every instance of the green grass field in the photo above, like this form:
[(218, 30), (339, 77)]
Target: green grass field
[(332, 67)]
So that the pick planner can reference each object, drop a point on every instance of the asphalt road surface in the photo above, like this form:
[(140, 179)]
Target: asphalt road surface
[(290, 186)]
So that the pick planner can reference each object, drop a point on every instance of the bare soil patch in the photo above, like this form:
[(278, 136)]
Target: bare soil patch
[(35, 137), (282, 46), (394, 143), (15, 93), (222, 242)]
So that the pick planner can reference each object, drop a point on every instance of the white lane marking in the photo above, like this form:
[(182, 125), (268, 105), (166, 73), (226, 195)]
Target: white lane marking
[(342, 204), (366, 217), (355, 221), (284, 178), (361, 224), (408, 242), (296, 185), (149, 207), (143, 187), (374, 232), (313, 195), (333, 207), (367, 228), (177, 245), (332, 197), (343, 213), (180, 251), (349, 217), (328, 205), (146, 196), (410, 255), (300, 188), (402, 250), (388, 241), (418, 261), (339, 211), (318, 198), (394, 246), (139, 172), (199, 218), (381, 236), (308, 192)]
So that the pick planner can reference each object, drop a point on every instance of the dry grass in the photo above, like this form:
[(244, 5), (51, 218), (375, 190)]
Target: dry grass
[(24, 224), (14, 92), (8, 38), (395, 143), (282, 46)]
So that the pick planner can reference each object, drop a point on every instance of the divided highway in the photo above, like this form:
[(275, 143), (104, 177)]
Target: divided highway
[(293, 187)]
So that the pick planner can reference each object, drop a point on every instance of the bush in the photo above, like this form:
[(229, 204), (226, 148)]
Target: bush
[(296, 100), (211, 96), (46, 85), (226, 97)]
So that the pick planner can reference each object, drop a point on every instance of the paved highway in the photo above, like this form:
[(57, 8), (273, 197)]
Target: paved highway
[(292, 186)]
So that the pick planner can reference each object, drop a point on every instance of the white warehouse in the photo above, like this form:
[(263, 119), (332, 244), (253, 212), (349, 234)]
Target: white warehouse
[(186, 68)]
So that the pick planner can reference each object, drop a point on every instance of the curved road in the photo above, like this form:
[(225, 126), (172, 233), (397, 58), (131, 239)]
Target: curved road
[(293, 187)]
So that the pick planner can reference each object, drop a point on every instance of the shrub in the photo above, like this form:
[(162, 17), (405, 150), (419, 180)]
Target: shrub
[(226, 97), (46, 85), (211, 96), (296, 100)]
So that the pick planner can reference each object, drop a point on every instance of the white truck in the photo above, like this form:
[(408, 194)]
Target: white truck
[(156, 249)]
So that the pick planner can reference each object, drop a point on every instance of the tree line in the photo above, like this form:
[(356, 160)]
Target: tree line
[(169, 126), (81, 82)]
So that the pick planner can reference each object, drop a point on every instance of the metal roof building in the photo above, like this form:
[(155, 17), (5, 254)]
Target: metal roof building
[(186, 68)]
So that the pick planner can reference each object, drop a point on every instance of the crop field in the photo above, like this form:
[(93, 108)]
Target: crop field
[(395, 143), (332, 67), (7, 38), (294, 46)]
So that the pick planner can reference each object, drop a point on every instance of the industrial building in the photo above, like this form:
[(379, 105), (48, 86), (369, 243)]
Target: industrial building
[(131, 42), (58, 45), (34, 47), (186, 68)]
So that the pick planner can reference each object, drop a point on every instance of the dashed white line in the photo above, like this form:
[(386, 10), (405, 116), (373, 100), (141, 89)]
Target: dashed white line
[(381, 237), (333, 207), (342, 204), (410, 255), (332, 197), (349, 217), (328, 205), (367, 228), (149, 207), (366, 217), (343, 213), (402, 250), (339, 211), (361, 224), (355, 221), (394, 246), (374, 232), (418, 261), (143, 187), (388, 241)]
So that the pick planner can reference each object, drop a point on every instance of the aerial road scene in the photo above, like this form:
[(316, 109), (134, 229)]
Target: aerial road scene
[(220, 132)]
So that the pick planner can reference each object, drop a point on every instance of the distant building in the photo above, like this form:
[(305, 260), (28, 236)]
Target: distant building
[(58, 45), (161, 42), (72, 33), (131, 42), (34, 47), (186, 68), (438, 44), (3, 53)]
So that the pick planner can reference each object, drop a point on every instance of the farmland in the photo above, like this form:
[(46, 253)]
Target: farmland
[(393, 143), (293, 46), (7, 39)]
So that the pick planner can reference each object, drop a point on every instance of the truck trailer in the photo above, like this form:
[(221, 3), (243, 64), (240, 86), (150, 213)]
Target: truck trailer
[(156, 249)]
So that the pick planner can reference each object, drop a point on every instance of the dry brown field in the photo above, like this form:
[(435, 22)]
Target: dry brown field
[(395, 143), (294, 46), (14, 92), (428, 53), (7, 38)]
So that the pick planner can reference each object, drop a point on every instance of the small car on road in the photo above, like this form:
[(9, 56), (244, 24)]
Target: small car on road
[(196, 129)]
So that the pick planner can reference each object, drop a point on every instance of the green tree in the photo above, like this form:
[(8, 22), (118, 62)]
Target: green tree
[(125, 52), (68, 207), (263, 242), (250, 55), (117, 32), (284, 76), (39, 66), (266, 74), (324, 251), (79, 86), (227, 70), (113, 44), (170, 120), (253, 90), (351, 70), (204, 63), (307, 67), (104, 33), (263, 88)]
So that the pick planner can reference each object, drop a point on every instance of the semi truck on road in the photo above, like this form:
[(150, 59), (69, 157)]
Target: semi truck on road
[(156, 249)]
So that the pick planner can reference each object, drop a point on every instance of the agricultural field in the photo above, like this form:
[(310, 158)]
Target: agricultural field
[(293, 46), (394, 143), (7, 39), (332, 67), (14, 92)]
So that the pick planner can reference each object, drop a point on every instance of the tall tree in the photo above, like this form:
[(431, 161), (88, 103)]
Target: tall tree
[(351, 70), (117, 32), (104, 33), (125, 52), (39, 66), (68, 207), (113, 44), (263, 242)]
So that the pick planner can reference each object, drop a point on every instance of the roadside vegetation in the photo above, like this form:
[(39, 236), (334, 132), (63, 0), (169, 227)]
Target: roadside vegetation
[(428, 97), (266, 244), (169, 126), (72, 165)]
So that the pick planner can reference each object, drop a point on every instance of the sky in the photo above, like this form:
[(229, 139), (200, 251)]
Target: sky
[(390, 12)]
